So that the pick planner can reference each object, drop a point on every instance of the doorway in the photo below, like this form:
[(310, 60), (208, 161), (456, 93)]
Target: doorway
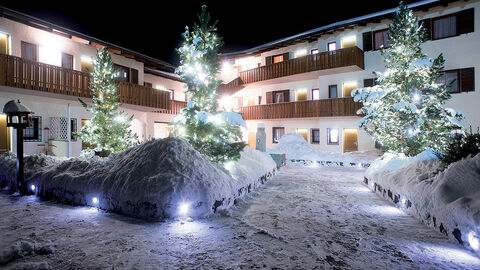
[(4, 134), (350, 139)]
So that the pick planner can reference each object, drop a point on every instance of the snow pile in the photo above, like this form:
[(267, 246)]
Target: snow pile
[(150, 180), (298, 151), (448, 200), (22, 249)]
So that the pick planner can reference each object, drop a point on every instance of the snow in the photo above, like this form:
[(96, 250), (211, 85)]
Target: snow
[(148, 181), (303, 218), (298, 151), (446, 199)]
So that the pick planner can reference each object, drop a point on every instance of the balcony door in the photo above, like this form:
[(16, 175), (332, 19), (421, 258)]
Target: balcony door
[(4, 44), (350, 140)]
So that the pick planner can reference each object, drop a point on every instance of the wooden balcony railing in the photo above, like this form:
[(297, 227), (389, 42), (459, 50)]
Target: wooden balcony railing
[(302, 109), (352, 56), (26, 74), (176, 107)]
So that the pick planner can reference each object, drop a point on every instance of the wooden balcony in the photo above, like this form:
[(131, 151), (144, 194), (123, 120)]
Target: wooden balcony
[(26, 74), (340, 58), (302, 109)]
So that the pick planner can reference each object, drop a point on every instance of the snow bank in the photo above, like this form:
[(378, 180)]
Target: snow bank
[(300, 152), (149, 181), (448, 200)]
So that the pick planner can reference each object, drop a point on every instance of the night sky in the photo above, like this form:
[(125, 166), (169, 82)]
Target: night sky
[(154, 27)]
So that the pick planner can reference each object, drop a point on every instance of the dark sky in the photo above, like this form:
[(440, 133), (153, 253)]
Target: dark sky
[(154, 27)]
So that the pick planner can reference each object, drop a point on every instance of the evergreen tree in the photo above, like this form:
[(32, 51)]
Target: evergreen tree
[(108, 129), (405, 112), (209, 131)]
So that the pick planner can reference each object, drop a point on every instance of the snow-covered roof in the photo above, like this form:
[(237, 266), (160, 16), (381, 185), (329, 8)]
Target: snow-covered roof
[(313, 34)]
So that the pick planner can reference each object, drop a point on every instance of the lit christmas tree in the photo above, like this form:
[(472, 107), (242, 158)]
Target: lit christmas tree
[(405, 112), (108, 129), (211, 132)]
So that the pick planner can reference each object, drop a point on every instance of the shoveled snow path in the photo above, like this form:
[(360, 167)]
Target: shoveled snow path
[(303, 218)]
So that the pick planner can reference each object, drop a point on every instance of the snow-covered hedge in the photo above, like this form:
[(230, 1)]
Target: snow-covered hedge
[(300, 152), (448, 200), (148, 181)]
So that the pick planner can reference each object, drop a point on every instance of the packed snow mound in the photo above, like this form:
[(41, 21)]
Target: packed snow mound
[(150, 180), (449, 197), (297, 149)]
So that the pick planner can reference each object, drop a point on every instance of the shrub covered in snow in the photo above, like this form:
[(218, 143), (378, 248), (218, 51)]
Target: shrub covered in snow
[(298, 151), (448, 200), (461, 146), (149, 181)]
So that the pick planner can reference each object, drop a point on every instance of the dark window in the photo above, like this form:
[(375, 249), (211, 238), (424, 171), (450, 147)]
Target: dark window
[(315, 135), (450, 77), (259, 100), (281, 96), (29, 51), (147, 84), (332, 91), (444, 27), (380, 38), (123, 73), (332, 136), (277, 133), (73, 128), (315, 94), (369, 82), (33, 133), (67, 61)]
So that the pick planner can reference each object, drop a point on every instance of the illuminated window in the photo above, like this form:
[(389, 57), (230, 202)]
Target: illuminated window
[(277, 133), (315, 138), (450, 77), (4, 43), (172, 93), (348, 88), (67, 61), (300, 53), (29, 51), (332, 136), (86, 64), (301, 94), (314, 51), (444, 27), (350, 41), (332, 46), (332, 91), (316, 94), (278, 59), (380, 39)]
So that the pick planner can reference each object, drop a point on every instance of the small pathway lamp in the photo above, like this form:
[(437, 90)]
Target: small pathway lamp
[(18, 117)]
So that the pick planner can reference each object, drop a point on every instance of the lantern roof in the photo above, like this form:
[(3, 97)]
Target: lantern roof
[(14, 107)]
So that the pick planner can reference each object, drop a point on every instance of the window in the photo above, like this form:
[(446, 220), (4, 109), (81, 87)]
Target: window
[(73, 129), (250, 101), (300, 53), (301, 94), (450, 77), (4, 43), (349, 41), (67, 61), (444, 27), (380, 39), (316, 94), (332, 46), (172, 93), (148, 84), (332, 91), (278, 58), (259, 100), (278, 96), (369, 82), (123, 73), (33, 133), (315, 138), (348, 88), (29, 51), (314, 51), (332, 136), (278, 133)]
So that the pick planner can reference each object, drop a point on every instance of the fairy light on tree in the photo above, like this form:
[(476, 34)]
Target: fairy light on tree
[(405, 112), (109, 129), (199, 122)]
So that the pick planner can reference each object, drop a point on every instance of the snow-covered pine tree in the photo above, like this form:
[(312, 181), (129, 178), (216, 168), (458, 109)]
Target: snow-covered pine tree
[(108, 129), (405, 112), (213, 133)]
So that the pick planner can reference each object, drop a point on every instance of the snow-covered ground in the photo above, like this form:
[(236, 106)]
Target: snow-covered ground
[(447, 199), (303, 218), (299, 152)]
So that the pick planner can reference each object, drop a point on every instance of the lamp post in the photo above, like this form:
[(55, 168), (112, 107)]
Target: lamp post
[(18, 117)]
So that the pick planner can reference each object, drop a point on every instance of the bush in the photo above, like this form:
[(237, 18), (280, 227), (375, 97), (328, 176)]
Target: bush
[(463, 145)]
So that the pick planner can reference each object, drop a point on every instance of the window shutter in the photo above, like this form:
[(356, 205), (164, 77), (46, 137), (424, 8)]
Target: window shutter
[(286, 95), (286, 56), (367, 41), (427, 24), (134, 76), (368, 82), (467, 80), (465, 21), (269, 98), (268, 60)]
